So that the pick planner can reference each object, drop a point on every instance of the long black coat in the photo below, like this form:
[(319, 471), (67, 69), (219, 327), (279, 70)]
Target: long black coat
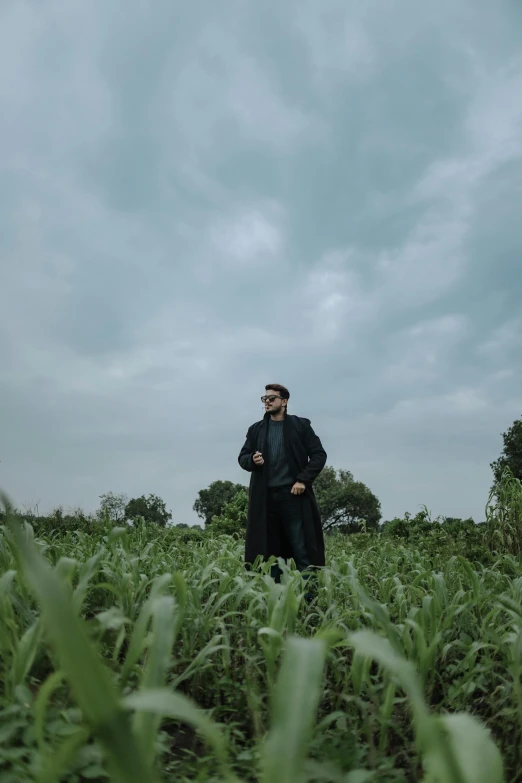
[(306, 458)]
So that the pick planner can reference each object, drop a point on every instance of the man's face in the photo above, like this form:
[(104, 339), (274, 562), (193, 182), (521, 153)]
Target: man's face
[(273, 402)]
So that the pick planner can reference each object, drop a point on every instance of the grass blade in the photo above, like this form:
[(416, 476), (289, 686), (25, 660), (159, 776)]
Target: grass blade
[(88, 678), (294, 708), (26, 652), (474, 756), (455, 748), (166, 704), (146, 724)]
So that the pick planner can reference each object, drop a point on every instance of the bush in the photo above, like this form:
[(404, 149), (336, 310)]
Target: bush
[(233, 520), (408, 528), (58, 521)]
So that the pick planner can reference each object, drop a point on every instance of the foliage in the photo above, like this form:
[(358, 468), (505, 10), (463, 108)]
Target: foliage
[(457, 526), (112, 506), (504, 515), (58, 521), (511, 456), (142, 653), (233, 519), (188, 534), (151, 509), (410, 527), (212, 500), (344, 503)]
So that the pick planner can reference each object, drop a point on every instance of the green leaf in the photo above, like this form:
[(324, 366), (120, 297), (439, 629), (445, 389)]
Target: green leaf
[(164, 703), (294, 710), (6, 581), (472, 755), (112, 619), (94, 772), (25, 653), (146, 724), (57, 763), (456, 748), (88, 677), (40, 705), (372, 645), (10, 729), (138, 636), (360, 776)]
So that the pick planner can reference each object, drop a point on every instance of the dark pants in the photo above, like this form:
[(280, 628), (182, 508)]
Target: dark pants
[(285, 521)]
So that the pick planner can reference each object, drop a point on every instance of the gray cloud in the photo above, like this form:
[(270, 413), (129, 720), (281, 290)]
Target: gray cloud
[(196, 203)]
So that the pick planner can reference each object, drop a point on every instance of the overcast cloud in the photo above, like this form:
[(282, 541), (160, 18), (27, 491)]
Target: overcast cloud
[(200, 198)]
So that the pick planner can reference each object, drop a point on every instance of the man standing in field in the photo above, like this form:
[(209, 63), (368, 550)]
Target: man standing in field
[(284, 456)]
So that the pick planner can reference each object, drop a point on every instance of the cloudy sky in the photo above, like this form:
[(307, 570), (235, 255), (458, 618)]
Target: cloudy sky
[(200, 198)]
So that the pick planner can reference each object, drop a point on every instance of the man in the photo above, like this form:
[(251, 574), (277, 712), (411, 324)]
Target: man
[(284, 456)]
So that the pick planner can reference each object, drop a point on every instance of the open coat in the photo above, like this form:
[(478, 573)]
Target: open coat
[(306, 458)]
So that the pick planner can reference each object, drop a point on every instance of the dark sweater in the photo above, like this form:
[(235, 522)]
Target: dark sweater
[(278, 471)]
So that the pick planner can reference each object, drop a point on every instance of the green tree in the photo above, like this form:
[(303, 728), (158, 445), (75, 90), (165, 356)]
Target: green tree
[(233, 518), (344, 503), (211, 501), (152, 509), (112, 505), (511, 456)]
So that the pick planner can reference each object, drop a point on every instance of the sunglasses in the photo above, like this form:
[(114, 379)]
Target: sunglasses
[(271, 398)]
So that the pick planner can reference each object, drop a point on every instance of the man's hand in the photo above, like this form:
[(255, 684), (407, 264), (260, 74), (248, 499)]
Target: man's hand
[(258, 458), (298, 488)]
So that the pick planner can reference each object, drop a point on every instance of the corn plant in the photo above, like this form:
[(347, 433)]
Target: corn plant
[(504, 515), (140, 654)]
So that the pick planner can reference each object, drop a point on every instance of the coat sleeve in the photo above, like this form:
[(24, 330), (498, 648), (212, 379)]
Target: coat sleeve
[(246, 454), (316, 455)]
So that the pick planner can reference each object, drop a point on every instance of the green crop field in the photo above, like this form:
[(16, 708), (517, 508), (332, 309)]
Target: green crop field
[(141, 654)]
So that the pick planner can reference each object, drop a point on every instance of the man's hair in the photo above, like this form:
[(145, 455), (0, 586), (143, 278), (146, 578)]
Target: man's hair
[(283, 391)]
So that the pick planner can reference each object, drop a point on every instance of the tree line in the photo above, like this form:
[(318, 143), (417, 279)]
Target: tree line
[(346, 505)]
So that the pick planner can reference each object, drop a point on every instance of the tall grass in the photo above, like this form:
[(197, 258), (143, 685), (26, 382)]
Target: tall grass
[(140, 655), (504, 514)]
